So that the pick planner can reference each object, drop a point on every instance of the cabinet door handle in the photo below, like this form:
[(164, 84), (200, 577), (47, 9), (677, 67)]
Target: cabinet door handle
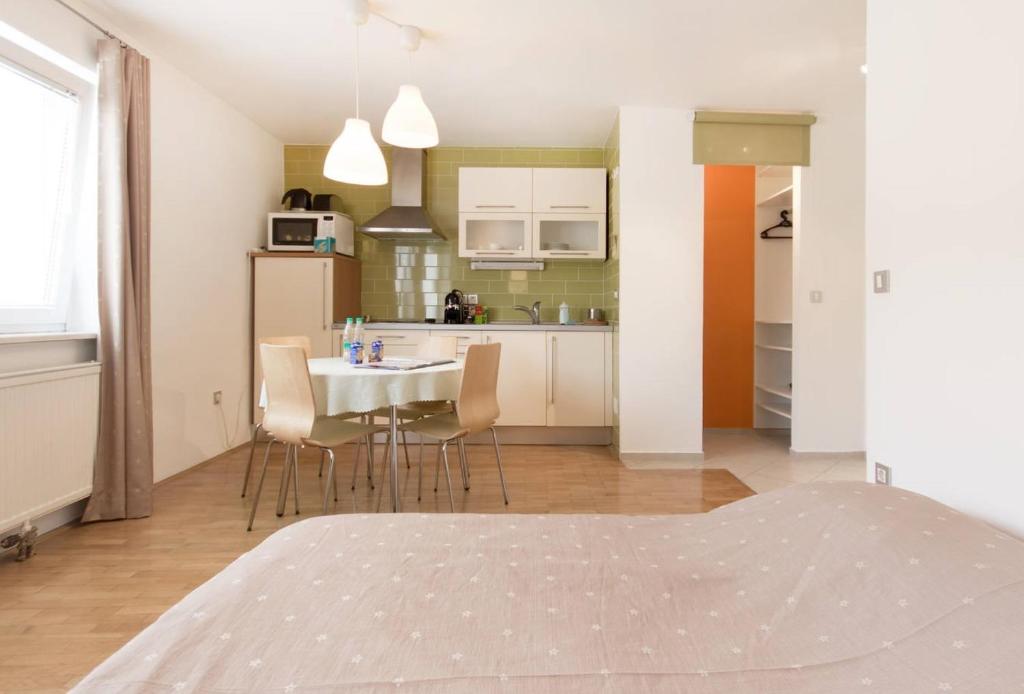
[(494, 207), (323, 295), (495, 252), (554, 367), (487, 340), (569, 252), (570, 207)]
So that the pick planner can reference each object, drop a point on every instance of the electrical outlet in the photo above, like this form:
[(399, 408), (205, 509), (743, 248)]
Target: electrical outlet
[(472, 299), (816, 296), (881, 282), (217, 396), (883, 474)]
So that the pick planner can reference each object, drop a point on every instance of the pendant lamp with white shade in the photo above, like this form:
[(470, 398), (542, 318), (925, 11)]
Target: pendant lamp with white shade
[(355, 157), (409, 123)]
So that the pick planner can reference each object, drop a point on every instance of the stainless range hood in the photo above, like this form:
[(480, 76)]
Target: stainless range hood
[(406, 219)]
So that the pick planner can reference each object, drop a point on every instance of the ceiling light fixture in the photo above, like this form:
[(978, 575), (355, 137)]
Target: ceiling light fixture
[(355, 157), (408, 122)]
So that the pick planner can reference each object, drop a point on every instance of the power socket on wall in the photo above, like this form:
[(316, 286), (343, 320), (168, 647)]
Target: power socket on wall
[(217, 396), (883, 474)]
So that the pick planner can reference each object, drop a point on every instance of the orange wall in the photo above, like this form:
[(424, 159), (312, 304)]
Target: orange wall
[(729, 296)]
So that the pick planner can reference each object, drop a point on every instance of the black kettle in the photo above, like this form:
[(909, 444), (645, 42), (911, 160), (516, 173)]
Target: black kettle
[(298, 199)]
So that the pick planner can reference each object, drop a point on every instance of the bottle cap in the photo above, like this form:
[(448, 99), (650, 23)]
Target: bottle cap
[(349, 319), (359, 319)]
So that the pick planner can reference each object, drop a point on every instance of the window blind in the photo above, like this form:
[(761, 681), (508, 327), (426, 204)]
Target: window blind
[(724, 137)]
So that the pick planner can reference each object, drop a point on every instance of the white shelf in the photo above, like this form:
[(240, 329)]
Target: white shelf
[(783, 409), (775, 348), (781, 391), (780, 198)]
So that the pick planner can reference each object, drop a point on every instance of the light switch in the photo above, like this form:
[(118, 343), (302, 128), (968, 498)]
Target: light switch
[(881, 282), (472, 299), (816, 296)]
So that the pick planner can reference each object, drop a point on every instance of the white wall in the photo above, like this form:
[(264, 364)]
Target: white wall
[(215, 175), (661, 284), (828, 255), (945, 135)]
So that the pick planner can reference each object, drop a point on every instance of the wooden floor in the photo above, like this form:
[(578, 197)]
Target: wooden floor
[(91, 588)]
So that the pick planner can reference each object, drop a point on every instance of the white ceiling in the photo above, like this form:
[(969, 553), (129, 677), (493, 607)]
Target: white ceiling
[(507, 72)]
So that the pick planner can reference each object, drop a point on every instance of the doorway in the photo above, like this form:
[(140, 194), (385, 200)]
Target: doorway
[(748, 298)]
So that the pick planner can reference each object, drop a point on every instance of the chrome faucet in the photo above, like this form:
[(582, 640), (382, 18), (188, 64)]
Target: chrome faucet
[(534, 312)]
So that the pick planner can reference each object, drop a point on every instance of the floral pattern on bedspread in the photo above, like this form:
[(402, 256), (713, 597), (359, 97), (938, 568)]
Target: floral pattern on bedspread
[(828, 587)]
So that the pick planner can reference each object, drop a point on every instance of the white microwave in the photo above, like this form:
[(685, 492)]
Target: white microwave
[(297, 231)]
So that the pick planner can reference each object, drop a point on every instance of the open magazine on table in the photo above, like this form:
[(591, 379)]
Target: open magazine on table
[(404, 363)]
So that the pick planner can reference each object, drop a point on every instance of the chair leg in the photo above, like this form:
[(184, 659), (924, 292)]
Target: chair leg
[(464, 463), (355, 463), (320, 472), (447, 475), (419, 482), (252, 449), (501, 472), (286, 471), (331, 481), (259, 486), (370, 462), (295, 476), (384, 483), (405, 446), (437, 467)]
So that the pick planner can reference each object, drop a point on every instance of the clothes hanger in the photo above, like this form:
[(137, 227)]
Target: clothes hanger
[(784, 224)]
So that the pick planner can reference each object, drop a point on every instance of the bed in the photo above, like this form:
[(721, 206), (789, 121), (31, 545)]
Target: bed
[(827, 587)]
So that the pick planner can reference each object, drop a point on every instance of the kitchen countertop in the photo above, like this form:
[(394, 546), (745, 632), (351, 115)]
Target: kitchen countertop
[(491, 327)]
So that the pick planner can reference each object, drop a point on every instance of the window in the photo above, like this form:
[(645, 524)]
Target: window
[(38, 125)]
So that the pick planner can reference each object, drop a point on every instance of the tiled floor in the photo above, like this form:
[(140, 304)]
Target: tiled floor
[(762, 460)]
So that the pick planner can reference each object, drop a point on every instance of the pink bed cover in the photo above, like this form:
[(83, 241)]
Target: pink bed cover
[(828, 587)]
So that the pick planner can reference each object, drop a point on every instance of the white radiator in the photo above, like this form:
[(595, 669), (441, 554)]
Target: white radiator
[(48, 423)]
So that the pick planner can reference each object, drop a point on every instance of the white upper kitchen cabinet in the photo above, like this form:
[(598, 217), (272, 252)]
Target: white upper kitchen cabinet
[(522, 377), (495, 189), (495, 235), (569, 236), (576, 365), (570, 191)]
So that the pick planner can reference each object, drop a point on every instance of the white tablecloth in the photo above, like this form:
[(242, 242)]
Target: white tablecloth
[(341, 387)]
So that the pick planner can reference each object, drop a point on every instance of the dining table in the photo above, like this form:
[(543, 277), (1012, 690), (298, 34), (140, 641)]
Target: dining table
[(340, 387)]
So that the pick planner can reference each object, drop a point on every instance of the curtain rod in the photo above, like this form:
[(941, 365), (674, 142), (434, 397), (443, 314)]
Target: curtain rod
[(88, 21)]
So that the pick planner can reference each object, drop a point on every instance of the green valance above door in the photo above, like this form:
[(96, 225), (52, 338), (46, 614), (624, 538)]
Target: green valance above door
[(724, 137)]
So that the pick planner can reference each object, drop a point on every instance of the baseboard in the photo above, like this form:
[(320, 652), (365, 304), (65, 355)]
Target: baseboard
[(533, 436)]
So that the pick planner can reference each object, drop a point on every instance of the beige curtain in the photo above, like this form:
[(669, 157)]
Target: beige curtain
[(741, 138), (123, 474)]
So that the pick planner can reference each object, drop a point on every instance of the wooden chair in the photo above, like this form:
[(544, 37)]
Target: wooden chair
[(293, 340), (303, 342), (476, 410), (291, 416), (435, 347)]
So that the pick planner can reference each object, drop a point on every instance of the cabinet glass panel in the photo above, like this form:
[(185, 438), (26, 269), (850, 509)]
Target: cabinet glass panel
[(495, 236), (580, 236)]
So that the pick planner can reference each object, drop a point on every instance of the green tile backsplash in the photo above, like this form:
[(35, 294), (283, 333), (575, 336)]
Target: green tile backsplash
[(410, 279)]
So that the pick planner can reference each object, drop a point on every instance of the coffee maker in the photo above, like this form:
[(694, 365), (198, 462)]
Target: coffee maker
[(454, 307)]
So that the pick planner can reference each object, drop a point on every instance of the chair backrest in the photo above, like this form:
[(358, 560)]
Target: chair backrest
[(438, 347), (291, 340), (291, 409), (478, 397)]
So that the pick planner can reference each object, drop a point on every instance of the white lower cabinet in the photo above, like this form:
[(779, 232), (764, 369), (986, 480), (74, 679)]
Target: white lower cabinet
[(576, 364), (545, 378), (463, 339), (522, 377)]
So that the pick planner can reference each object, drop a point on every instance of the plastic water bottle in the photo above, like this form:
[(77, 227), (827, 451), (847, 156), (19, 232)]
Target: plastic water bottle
[(346, 339), (563, 314), (359, 335)]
